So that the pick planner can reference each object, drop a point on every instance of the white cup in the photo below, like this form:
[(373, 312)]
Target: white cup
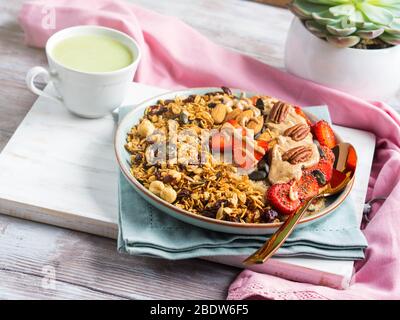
[(86, 94)]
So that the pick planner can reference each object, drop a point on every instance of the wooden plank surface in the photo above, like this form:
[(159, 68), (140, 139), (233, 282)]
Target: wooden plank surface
[(86, 266)]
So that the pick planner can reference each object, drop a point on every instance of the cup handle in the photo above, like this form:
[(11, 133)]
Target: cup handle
[(30, 77)]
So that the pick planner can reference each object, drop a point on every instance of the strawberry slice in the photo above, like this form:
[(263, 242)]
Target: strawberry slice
[(324, 134), (234, 123), (307, 186), (322, 171), (278, 197), (239, 154), (242, 158), (351, 161), (337, 178), (254, 99), (327, 154), (262, 144), (300, 112), (219, 142)]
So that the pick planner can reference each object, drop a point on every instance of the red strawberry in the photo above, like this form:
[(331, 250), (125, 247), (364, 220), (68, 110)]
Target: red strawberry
[(278, 197), (323, 167), (234, 123), (307, 186), (327, 154), (337, 178), (324, 134), (351, 159), (240, 156), (254, 99), (300, 112), (262, 144), (220, 142)]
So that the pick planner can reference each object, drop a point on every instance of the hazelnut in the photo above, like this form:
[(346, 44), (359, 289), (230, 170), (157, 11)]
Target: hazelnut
[(145, 128), (156, 187), (168, 194)]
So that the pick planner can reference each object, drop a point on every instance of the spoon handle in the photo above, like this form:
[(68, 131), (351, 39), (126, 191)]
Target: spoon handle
[(279, 237)]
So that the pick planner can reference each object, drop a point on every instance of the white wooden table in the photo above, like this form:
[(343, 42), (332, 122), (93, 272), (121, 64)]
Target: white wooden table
[(85, 266), (31, 253)]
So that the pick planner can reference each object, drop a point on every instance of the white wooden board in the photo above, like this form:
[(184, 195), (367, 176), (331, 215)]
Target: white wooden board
[(60, 169)]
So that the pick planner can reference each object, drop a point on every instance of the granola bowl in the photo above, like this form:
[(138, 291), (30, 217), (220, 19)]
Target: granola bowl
[(219, 192)]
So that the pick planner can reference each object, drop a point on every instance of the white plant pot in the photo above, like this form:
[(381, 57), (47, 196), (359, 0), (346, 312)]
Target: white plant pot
[(369, 74)]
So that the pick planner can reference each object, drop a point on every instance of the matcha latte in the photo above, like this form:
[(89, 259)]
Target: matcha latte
[(92, 53)]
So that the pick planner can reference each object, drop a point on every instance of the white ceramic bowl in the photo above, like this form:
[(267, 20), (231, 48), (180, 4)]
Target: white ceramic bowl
[(369, 74), (123, 158)]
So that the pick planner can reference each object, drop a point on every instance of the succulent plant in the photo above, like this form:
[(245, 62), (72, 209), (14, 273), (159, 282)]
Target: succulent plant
[(351, 23)]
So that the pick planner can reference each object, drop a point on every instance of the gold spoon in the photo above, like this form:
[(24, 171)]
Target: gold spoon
[(343, 174)]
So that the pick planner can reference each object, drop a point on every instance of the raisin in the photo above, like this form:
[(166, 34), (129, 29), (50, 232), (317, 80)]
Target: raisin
[(157, 110), (184, 193), (260, 104), (168, 179), (269, 215), (226, 90), (137, 158), (210, 213), (189, 99), (168, 101)]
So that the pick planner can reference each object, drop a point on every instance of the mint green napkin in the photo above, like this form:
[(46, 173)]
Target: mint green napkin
[(145, 230)]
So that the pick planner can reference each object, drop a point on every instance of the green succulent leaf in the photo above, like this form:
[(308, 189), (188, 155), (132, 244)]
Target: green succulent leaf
[(356, 18), (315, 28), (370, 34), (376, 14), (342, 10), (384, 2), (394, 27), (304, 9), (393, 5), (339, 31), (329, 2), (343, 42), (325, 18), (345, 22), (369, 26), (390, 38)]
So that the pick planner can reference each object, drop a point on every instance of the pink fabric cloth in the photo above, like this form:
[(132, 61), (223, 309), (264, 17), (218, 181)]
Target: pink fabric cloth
[(174, 56)]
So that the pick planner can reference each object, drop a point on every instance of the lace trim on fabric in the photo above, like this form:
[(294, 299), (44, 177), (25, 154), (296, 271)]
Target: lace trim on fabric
[(256, 290)]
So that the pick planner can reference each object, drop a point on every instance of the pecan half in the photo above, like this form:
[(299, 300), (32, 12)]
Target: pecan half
[(297, 132), (279, 112), (297, 155)]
